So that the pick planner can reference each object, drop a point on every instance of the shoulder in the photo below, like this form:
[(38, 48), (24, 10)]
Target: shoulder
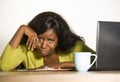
[(79, 43), (83, 47), (79, 46)]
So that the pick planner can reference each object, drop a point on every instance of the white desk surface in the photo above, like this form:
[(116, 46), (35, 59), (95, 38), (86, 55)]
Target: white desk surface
[(60, 76)]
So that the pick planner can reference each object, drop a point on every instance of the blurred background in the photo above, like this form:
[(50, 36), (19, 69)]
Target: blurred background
[(81, 15)]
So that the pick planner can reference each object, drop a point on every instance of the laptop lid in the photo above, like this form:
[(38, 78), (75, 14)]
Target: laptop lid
[(108, 45)]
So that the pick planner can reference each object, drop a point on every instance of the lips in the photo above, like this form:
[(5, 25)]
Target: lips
[(43, 51)]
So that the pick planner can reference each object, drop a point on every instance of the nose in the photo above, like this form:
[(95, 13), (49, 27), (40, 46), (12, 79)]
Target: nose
[(44, 44)]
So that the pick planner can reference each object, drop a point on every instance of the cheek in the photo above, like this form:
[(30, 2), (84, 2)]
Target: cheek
[(54, 45), (38, 45)]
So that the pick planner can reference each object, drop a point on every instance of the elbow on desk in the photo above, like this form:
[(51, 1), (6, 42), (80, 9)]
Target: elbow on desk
[(4, 67)]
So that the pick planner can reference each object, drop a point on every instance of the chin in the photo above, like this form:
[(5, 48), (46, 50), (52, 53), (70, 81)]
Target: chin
[(44, 54)]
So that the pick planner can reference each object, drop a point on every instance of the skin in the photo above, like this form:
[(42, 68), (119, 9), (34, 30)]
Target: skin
[(45, 43)]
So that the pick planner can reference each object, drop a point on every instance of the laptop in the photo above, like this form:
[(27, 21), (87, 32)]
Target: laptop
[(108, 45)]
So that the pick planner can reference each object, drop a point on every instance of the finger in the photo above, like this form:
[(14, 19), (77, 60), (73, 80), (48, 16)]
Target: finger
[(35, 42), (32, 42), (29, 43)]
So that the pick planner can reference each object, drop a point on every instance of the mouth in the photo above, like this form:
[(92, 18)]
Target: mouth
[(43, 52)]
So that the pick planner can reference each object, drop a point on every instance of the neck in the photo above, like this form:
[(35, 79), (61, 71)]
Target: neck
[(51, 55), (51, 59)]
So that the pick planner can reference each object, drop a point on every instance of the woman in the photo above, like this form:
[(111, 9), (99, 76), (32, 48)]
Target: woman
[(46, 41)]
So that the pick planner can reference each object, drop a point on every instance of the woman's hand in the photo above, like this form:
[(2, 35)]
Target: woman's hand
[(32, 38)]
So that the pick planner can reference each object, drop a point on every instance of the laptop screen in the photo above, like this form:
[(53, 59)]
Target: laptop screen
[(108, 45)]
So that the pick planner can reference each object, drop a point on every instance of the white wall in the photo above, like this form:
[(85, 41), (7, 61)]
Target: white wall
[(81, 15)]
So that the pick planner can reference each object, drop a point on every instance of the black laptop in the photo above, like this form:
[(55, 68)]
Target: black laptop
[(108, 45)]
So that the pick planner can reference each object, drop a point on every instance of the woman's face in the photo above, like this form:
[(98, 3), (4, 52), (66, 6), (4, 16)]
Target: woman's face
[(47, 42)]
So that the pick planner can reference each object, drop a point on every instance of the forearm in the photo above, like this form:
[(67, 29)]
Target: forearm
[(32, 37), (67, 65), (16, 39), (62, 65)]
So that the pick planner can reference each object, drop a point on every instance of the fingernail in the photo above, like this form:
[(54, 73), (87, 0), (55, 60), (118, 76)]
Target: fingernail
[(32, 49), (28, 48)]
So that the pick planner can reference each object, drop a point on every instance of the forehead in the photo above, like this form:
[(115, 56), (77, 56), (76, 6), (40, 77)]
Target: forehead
[(49, 32)]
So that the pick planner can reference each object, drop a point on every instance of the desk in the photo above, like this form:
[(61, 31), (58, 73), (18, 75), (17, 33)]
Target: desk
[(61, 76)]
